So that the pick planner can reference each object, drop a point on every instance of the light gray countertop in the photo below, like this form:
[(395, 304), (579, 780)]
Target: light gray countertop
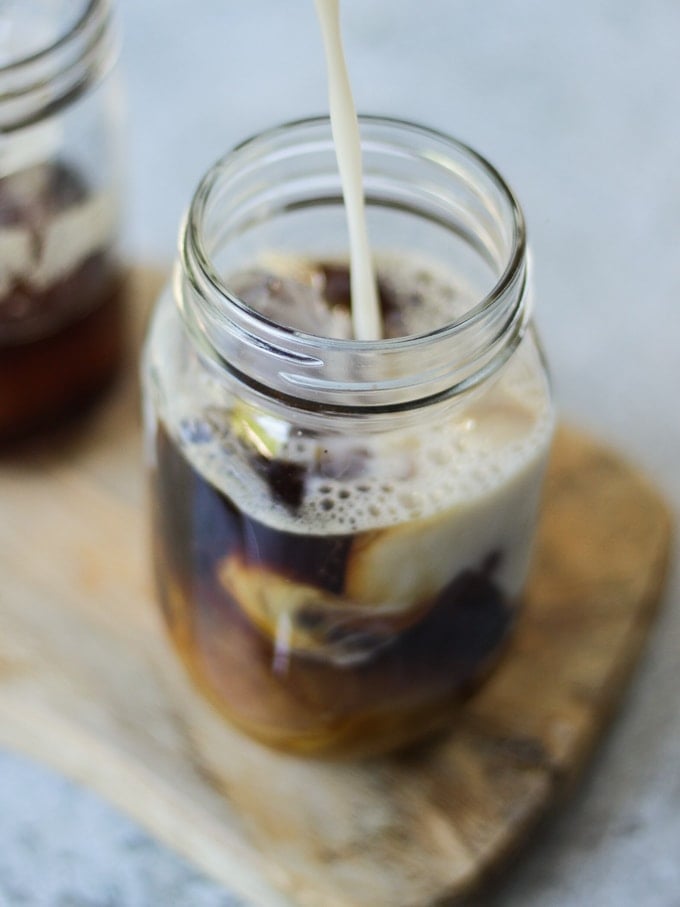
[(578, 105)]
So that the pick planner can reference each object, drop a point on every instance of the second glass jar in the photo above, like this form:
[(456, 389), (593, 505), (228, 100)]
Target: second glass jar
[(343, 529)]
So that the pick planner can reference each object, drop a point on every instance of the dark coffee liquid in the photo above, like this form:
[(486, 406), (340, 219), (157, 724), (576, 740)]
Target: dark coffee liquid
[(60, 343), (404, 676)]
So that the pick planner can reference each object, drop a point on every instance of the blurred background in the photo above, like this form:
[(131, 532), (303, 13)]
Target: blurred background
[(578, 105)]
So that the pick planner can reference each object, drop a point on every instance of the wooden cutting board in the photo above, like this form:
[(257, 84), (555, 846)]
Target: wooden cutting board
[(88, 683)]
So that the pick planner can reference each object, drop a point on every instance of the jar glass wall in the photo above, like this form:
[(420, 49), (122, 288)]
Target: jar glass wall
[(60, 269), (342, 529)]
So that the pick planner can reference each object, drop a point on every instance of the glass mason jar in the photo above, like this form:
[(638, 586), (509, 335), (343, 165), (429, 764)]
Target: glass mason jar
[(60, 271), (342, 529)]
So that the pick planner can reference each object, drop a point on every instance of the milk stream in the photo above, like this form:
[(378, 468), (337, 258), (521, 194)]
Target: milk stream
[(365, 307)]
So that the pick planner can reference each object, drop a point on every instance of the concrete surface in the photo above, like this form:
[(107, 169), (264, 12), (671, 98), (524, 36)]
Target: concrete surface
[(578, 104)]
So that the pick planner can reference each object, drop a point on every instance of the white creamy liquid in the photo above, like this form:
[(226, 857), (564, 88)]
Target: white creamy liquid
[(67, 240), (365, 308)]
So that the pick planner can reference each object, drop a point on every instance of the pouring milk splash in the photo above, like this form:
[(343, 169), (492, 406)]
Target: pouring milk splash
[(366, 319)]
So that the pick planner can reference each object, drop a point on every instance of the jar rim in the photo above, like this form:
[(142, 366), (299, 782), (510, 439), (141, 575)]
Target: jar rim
[(38, 84)]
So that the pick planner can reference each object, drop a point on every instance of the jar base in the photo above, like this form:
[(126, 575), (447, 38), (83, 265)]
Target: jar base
[(364, 737)]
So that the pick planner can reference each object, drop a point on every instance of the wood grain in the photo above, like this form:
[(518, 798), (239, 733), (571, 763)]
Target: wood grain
[(89, 685)]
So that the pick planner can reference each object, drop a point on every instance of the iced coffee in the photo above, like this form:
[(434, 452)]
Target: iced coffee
[(340, 582)]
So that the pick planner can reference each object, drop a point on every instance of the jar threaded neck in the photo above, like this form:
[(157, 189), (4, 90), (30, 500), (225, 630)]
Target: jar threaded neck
[(419, 173), (40, 83)]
